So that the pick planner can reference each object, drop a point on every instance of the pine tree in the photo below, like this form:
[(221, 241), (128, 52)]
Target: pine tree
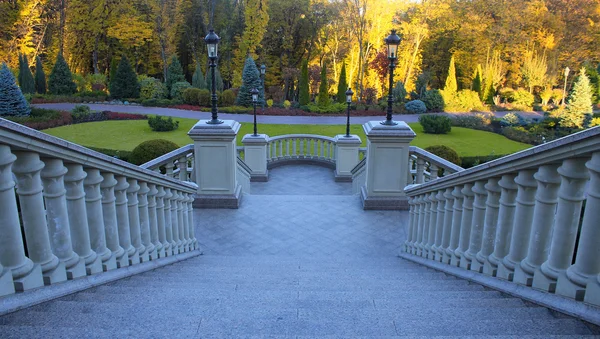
[(114, 64), (304, 95), (60, 81), (250, 80), (478, 82), (174, 73), (579, 102), (342, 85), (125, 83), (40, 77), (451, 86), (28, 84), (12, 101), (198, 78), (218, 80), (20, 76), (323, 98)]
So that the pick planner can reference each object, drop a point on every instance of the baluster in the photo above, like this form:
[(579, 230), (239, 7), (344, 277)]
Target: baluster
[(424, 239), (302, 153), (134, 219), (447, 231), (25, 275), (156, 169), (182, 165), (322, 155), (489, 229), (169, 169), (439, 229), (574, 176), (152, 216), (281, 148), (109, 215), (162, 244), (420, 170), (177, 243), (433, 172), (29, 188), (59, 230), (142, 195), (412, 220), (181, 221), (432, 226), (95, 218), (287, 148), (457, 212), (171, 246), (133, 255), (418, 230), (522, 224), (190, 209), (465, 223), (477, 225)]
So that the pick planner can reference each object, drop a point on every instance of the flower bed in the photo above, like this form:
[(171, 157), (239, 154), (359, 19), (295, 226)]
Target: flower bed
[(41, 119)]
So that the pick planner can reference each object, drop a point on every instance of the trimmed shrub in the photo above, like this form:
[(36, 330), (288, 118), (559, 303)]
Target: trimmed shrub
[(445, 152), (399, 92), (150, 150), (270, 103), (506, 94), (12, 101), (468, 100), (522, 97), (433, 100), (287, 104), (190, 95), (174, 73), (228, 98), (512, 119), (160, 124), (40, 77), (435, 124), (415, 107), (477, 121), (80, 113), (60, 81), (178, 88), (304, 94), (40, 119), (333, 108), (125, 83), (520, 134), (26, 81), (204, 98), (152, 88)]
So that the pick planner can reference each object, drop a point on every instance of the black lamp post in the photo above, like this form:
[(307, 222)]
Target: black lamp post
[(349, 94), (392, 42), (254, 93), (212, 43), (263, 70)]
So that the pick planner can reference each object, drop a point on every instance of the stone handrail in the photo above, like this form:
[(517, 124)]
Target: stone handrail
[(171, 163), (81, 212), (359, 175), (531, 217), (303, 147), (424, 166), (244, 173)]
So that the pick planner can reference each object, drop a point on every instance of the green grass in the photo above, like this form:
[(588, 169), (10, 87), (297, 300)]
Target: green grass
[(125, 135)]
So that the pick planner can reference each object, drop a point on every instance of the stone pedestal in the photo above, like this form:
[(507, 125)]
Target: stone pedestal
[(387, 166), (255, 156), (346, 154), (215, 161)]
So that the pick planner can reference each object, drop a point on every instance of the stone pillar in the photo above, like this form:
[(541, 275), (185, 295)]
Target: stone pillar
[(134, 219), (489, 229), (439, 231), (170, 247), (190, 200), (546, 198), (506, 218), (255, 156), (477, 225), (215, 164), (58, 217), (448, 209), (22, 273), (346, 152), (429, 247), (145, 220), (109, 215), (153, 222), (133, 256), (387, 166), (465, 225), (160, 223), (522, 224), (27, 170), (574, 176), (93, 202), (456, 226), (573, 282)]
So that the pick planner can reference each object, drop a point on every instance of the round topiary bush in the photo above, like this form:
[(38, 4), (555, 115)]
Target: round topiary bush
[(435, 124), (152, 88), (178, 88), (204, 98), (445, 152), (150, 150), (415, 107), (227, 98), (191, 95)]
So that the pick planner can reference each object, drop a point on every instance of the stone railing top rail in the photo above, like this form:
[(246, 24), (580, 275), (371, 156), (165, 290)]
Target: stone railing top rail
[(300, 136), (173, 155), (432, 158), (19, 136), (360, 166), (573, 145), (242, 164)]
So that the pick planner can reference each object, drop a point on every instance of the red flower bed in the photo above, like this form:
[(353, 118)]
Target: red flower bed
[(63, 119), (288, 111), (123, 116)]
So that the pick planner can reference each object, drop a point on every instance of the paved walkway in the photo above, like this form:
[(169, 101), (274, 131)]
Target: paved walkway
[(266, 119)]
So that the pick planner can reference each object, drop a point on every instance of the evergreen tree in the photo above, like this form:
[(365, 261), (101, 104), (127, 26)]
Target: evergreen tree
[(198, 78), (12, 101), (250, 80), (304, 95), (174, 73), (478, 82), (27, 83), (125, 83), (451, 86), (342, 85), (218, 80), (579, 102), (20, 76), (60, 81), (114, 64), (323, 98), (40, 77)]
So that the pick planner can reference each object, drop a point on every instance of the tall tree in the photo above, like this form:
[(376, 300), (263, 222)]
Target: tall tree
[(534, 70), (60, 81), (40, 77), (342, 85), (579, 102), (323, 98), (174, 73), (198, 78), (251, 80), (304, 95), (218, 80), (125, 84), (12, 101), (27, 83), (451, 85), (478, 81)]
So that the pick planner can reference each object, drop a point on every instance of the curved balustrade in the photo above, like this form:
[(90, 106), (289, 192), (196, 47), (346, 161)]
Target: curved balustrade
[(244, 173), (175, 164), (291, 148), (531, 217), (425, 166), (67, 211)]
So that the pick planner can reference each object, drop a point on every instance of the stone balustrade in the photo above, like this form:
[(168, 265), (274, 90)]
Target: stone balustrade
[(425, 166), (301, 147), (67, 211), (176, 164), (531, 218)]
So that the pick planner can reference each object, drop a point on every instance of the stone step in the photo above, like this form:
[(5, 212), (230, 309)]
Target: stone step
[(309, 262)]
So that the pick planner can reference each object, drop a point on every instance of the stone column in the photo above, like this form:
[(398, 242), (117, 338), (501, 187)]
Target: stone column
[(93, 202), (190, 200), (439, 231), (418, 230), (412, 221), (429, 247), (522, 225), (489, 228), (133, 256), (215, 157), (182, 165), (573, 282), (420, 170), (145, 220), (546, 197), (346, 152), (449, 202), (506, 218), (387, 166), (574, 176), (134, 219), (109, 215), (160, 222), (477, 225), (255, 156), (456, 225), (465, 227), (170, 247), (57, 215), (153, 221), (22, 273)]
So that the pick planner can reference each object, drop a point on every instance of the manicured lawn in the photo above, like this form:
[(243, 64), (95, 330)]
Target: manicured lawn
[(125, 135)]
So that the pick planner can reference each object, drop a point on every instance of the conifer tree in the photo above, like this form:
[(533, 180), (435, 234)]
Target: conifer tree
[(250, 80), (12, 101), (20, 76), (40, 77), (198, 78), (114, 64), (323, 98), (304, 95), (451, 86), (218, 80), (125, 83), (174, 73), (27, 83), (478, 82), (60, 81), (579, 102), (342, 85)]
